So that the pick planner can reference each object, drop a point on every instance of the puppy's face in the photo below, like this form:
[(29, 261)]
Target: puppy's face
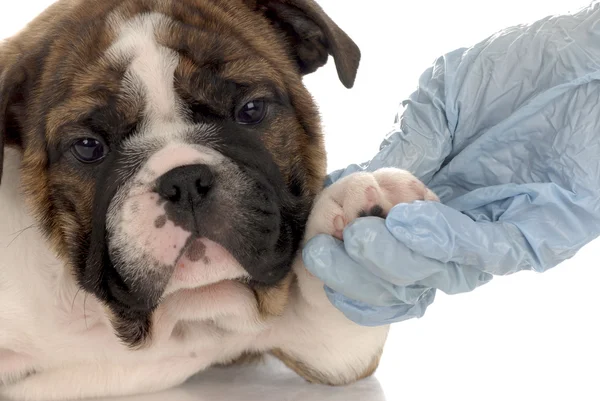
[(169, 144)]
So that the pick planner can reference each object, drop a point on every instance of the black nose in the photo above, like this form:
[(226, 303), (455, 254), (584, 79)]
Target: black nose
[(186, 186)]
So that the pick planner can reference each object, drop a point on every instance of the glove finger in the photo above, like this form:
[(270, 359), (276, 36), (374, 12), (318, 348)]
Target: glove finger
[(447, 235), (369, 243), (368, 315), (425, 230), (326, 258)]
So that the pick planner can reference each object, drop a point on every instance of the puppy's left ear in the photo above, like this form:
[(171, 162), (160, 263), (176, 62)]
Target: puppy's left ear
[(312, 36)]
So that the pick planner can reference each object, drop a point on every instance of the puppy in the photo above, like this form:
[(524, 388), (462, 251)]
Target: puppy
[(161, 162)]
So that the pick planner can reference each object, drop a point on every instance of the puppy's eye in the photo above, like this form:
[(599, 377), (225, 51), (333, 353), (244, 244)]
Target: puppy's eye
[(252, 112), (88, 150)]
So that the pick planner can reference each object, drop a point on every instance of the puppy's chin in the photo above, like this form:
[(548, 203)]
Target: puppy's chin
[(202, 262)]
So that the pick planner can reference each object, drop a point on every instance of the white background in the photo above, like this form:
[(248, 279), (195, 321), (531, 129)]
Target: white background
[(525, 337)]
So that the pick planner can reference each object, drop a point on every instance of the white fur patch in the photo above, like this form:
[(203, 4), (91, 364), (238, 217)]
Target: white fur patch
[(151, 66)]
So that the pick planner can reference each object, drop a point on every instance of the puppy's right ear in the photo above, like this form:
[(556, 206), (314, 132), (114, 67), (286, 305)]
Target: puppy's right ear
[(11, 101)]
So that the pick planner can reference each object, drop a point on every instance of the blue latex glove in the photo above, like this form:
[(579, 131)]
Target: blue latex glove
[(507, 133)]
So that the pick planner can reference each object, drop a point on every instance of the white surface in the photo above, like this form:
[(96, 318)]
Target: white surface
[(525, 337), (264, 382)]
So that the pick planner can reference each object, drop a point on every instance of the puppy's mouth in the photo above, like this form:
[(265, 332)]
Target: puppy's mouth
[(204, 262)]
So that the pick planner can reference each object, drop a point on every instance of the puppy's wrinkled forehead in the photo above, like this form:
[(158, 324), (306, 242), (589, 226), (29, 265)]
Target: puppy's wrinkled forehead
[(149, 76), (149, 69), (160, 69)]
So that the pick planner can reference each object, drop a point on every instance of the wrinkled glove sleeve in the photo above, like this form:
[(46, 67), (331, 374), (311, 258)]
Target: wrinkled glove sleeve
[(513, 132)]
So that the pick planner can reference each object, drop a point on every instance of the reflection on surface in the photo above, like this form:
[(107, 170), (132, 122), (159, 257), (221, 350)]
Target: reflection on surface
[(266, 381)]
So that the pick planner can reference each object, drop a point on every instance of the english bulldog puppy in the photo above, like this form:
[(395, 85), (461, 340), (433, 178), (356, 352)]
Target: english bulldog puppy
[(162, 167)]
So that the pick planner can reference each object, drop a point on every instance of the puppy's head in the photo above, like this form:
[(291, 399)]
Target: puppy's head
[(169, 144)]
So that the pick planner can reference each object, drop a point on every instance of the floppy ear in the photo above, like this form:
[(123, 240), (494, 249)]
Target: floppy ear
[(312, 36)]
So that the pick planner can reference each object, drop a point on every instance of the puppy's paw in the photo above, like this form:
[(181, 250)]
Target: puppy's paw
[(363, 194)]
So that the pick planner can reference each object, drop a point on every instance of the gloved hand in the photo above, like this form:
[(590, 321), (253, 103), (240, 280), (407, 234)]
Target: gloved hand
[(507, 134)]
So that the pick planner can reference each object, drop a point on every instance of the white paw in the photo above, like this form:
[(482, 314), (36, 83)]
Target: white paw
[(361, 195)]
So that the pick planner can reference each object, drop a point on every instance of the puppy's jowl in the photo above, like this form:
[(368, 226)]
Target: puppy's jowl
[(162, 163)]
